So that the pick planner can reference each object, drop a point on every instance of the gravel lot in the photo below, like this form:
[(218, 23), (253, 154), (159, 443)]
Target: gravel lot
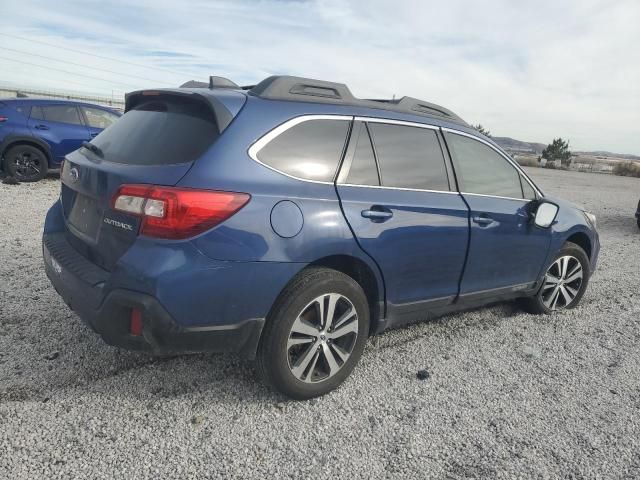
[(508, 394)]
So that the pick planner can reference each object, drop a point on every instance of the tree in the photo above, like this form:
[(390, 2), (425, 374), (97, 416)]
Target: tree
[(558, 150), (482, 130)]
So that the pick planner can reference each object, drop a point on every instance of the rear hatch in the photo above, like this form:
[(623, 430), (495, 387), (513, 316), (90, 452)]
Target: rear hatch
[(155, 142)]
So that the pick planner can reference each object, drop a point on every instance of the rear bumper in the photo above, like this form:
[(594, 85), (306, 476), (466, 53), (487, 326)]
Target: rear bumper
[(81, 285)]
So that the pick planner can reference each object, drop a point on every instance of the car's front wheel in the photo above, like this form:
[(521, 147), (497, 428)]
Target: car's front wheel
[(314, 335), (565, 281), (25, 163)]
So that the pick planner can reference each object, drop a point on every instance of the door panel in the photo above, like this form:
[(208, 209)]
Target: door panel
[(406, 219), (62, 136), (419, 241), (506, 249)]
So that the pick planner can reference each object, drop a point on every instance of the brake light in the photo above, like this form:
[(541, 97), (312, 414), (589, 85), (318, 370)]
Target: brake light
[(177, 213)]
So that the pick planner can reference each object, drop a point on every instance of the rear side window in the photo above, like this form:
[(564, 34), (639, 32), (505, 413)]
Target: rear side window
[(160, 131), (310, 150), (62, 114), (480, 169), (37, 113), (360, 163), (409, 157)]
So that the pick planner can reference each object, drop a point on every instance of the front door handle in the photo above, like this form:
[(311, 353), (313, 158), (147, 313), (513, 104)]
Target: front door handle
[(377, 214), (41, 127), (483, 220)]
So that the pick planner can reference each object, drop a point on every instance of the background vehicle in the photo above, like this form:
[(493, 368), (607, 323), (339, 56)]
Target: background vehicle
[(36, 134), (290, 221)]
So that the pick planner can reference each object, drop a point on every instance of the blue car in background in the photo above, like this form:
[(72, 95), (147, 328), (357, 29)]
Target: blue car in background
[(289, 221), (36, 134)]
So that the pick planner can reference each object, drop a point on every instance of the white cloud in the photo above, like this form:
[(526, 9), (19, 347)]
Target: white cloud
[(531, 70)]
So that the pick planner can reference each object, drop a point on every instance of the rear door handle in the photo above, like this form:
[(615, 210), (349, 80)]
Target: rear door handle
[(377, 214), (42, 127), (482, 220)]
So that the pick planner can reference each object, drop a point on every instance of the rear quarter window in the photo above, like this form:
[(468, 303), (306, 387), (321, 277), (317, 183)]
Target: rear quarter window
[(310, 150), (160, 131)]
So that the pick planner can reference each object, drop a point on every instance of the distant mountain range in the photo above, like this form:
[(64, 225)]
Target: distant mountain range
[(513, 145)]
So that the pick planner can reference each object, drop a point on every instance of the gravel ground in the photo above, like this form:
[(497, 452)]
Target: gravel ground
[(507, 394)]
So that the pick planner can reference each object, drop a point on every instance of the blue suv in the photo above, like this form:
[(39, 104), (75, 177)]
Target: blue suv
[(36, 134), (289, 221)]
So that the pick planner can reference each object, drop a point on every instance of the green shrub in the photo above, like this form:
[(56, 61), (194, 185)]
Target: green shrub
[(627, 169)]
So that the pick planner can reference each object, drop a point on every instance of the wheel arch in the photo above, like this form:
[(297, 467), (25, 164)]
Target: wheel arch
[(13, 141), (366, 277), (583, 241)]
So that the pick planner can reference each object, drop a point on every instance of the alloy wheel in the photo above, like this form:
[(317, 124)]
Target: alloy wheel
[(562, 283), (26, 165), (322, 338)]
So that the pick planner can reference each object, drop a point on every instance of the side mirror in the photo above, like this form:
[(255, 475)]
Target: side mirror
[(546, 214)]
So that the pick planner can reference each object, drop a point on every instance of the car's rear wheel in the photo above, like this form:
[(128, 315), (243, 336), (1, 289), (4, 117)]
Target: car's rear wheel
[(565, 281), (25, 163), (314, 335)]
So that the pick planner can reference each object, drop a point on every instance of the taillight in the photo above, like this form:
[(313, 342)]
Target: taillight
[(3, 118), (177, 213)]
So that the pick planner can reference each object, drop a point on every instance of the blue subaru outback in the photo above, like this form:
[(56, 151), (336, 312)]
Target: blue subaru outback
[(289, 221), (36, 134)]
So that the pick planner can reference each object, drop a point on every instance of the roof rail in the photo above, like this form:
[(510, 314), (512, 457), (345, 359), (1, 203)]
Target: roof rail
[(320, 91)]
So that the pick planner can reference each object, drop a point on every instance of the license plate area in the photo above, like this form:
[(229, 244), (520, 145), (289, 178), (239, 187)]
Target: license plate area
[(85, 216)]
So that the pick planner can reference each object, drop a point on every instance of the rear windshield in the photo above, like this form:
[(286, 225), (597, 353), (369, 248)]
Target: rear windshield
[(160, 131)]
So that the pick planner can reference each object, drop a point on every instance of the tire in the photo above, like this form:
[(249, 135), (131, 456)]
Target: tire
[(295, 348), (25, 163), (554, 295), (638, 221)]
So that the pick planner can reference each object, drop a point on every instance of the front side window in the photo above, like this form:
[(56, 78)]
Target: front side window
[(62, 114), (409, 157), (480, 169), (98, 118), (527, 189), (310, 150)]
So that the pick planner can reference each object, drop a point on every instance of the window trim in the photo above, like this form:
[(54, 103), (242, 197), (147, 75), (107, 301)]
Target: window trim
[(255, 148), (503, 155), (259, 144)]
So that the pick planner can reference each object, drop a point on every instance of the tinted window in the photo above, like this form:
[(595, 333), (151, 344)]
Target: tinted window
[(409, 157), (37, 113), (527, 189), (480, 169), (62, 114), (361, 166), (99, 118), (161, 131), (309, 150)]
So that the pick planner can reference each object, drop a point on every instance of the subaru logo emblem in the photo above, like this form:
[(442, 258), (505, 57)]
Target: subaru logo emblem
[(74, 174)]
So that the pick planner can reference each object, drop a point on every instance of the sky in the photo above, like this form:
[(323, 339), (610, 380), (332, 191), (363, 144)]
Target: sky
[(527, 70)]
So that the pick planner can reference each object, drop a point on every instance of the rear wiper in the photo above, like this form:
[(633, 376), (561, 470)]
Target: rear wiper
[(95, 149)]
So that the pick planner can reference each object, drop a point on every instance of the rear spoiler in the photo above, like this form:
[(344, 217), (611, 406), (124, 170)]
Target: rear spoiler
[(224, 105)]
